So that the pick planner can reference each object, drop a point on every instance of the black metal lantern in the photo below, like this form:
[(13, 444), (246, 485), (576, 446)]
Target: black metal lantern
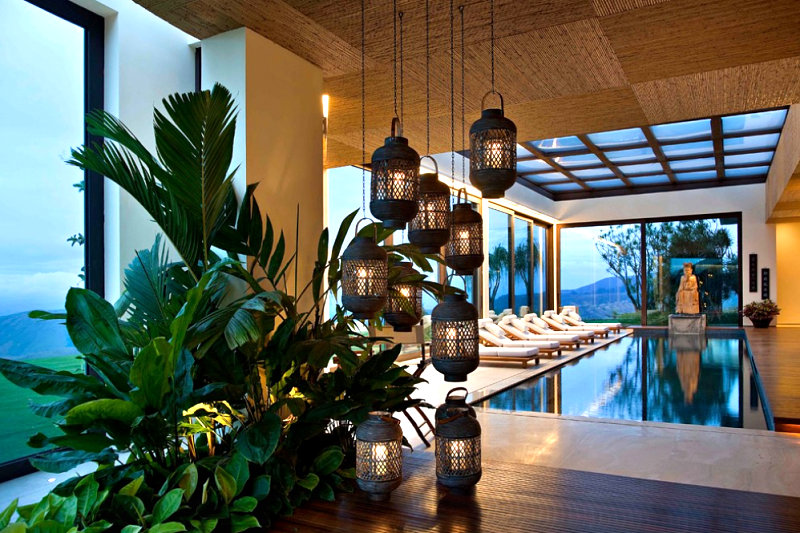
[(493, 151), (464, 251), (404, 306), (454, 337), (379, 459), (430, 229), (365, 272), (458, 443), (394, 188)]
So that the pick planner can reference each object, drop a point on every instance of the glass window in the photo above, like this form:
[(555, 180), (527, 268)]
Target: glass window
[(563, 187), (711, 246), (682, 130), (695, 176), (559, 144), (656, 179), (42, 230), (693, 164), (603, 172), (608, 139), (580, 160), (696, 148), (547, 177), (606, 184), (752, 142), (641, 169), (748, 159), (754, 121), (746, 172), (600, 272), (499, 261), (522, 152), (532, 166), (630, 156), (523, 258), (540, 295)]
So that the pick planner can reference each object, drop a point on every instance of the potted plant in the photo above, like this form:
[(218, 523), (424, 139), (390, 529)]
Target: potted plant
[(761, 313)]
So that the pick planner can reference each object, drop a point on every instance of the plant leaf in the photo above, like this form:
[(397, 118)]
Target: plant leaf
[(225, 483), (258, 442), (328, 461), (167, 505)]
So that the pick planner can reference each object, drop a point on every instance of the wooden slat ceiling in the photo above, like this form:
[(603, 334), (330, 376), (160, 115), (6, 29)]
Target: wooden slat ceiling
[(566, 67)]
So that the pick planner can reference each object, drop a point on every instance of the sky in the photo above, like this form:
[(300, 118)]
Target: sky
[(41, 86)]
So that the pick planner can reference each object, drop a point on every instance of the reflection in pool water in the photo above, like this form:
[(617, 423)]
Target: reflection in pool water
[(686, 380)]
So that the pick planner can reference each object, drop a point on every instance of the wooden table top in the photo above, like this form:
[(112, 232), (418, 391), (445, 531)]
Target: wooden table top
[(777, 355), (512, 498)]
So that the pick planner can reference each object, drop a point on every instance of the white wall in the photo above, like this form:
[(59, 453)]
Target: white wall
[(146, 59), (758, 237)]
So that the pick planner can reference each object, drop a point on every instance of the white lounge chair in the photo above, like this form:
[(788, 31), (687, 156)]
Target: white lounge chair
[(556, 321), (574, 319), (537, 325), (566, 339), (493, 335), (507, 354)]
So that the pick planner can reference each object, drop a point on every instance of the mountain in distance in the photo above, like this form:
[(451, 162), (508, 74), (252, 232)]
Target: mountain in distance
[(601, 299), (22, 337)]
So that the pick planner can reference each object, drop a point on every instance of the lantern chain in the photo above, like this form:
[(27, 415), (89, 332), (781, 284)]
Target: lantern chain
[(427, 77), (491, 25), (452, 97), (402, 93), (363, 113), (394, 57), (463, 124)]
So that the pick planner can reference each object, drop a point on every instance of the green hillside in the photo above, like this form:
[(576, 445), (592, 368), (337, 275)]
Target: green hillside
[(27, 338)]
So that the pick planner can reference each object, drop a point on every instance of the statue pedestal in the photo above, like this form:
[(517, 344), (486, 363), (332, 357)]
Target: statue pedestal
[(687, 324)]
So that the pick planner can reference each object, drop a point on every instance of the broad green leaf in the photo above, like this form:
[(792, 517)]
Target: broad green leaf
[(8, 512), (89, 412), (86, 491), (67, 511), (204, 526), (17, 527), (277, 258), (49, 382), (225, 483), (133, 487), (328, 461), (188, 481), (62, 461), (167, 505), (92, 324), (245, 504), (151, 373), (325, 492), (238, 468), (240, 522), (258, 442), (131, 529), (261, 486), (309, 482)]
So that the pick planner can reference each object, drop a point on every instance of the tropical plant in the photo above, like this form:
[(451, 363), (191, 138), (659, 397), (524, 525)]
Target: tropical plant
[(212, 401), (763, 310), (499, 262)]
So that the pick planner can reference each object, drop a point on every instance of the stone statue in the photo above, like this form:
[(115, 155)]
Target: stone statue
[(688, 299)]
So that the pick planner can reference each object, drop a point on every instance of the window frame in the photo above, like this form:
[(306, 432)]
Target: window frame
[(93, 195), (643, 250)]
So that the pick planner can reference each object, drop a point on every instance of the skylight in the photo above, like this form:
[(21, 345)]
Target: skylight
[(706, 152)]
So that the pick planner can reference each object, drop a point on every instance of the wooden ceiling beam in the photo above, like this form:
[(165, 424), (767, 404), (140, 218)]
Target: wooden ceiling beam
[(653, 142), (602, 157), (716, 136), (544, 157)]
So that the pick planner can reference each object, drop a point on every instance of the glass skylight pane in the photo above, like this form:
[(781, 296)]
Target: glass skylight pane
[(657, 179), (606, 184), (603, 172), (577, 160), (746, 172), (640, 169), (522, 152), (754, 121), (532, 165), (606, 139), (693, 176), (693, 164), (748, 159), (753, 142), (547, 177), (559, 144), (695, 148), (682, 130), (631, 156), (563, 187)]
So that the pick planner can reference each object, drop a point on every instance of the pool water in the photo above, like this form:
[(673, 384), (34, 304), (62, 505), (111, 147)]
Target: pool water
[(650, 377)]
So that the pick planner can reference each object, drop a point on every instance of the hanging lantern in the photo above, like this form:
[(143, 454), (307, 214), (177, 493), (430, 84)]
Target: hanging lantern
[(464, 251), (454, 337), (379, 460), (404, 307), (458, 443), (394, 188), (493, 151), (365, 272), (430, 229)]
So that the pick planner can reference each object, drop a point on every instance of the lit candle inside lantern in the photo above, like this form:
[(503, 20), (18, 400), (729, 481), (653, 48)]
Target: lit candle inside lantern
[(367, 283), (463, 235), (495, 154), (451, 333), (456, 451), (395, 183), (405, 291), (379, 452)]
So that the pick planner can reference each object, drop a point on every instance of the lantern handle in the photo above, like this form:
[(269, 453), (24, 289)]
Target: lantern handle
[(483, 100), (462, 412), (458, 195), (435, 164), (466, 392), (374, 228), (397, 131)]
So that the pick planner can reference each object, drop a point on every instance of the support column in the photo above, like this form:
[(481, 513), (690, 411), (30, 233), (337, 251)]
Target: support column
[(278, 135)]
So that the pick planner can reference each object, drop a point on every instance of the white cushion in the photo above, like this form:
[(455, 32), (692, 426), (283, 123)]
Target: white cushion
[(576, 316), (539, 322), (495, 330), (519, 324)]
